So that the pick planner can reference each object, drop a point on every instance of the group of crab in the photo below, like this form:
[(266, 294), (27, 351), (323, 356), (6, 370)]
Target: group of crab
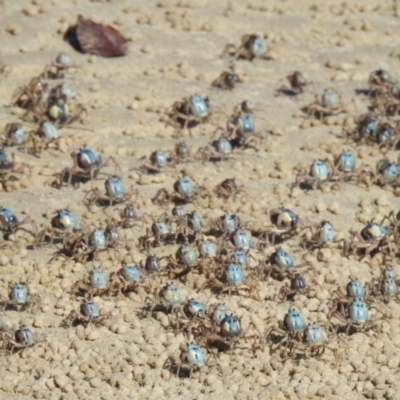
[(49, 106), (378, 127), (219, 256), (222, 256), (19, 298)]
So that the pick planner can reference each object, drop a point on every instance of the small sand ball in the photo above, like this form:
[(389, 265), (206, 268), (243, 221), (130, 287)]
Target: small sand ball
[(302, 390), (50, 384), (163, 319), (95, 382), (340, 236), (93, 335), (379, 381), (263, 380), (276, 363), (4, 260), (335, 208), (382, 201), (365, 204), (61, 380), (320, 207), (340, 390), (324, 391), (324, 254), (211, 380), (165, 374), (39, 322), (143, 357), (122, 329), (296, 192), (15, 261), (331, 277), (393, 362), (312, 304)]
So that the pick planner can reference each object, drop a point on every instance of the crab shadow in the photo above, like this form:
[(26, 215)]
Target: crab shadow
[(75, 180), (182, 372), (71, 37), (286, 92)]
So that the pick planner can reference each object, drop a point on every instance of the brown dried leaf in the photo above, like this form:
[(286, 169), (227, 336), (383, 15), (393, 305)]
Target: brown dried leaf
[(100, 40)]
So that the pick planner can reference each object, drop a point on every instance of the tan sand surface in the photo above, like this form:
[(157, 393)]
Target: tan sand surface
[(175, 51)]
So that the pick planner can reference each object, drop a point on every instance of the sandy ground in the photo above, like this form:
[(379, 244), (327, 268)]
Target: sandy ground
[(174, 52)]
